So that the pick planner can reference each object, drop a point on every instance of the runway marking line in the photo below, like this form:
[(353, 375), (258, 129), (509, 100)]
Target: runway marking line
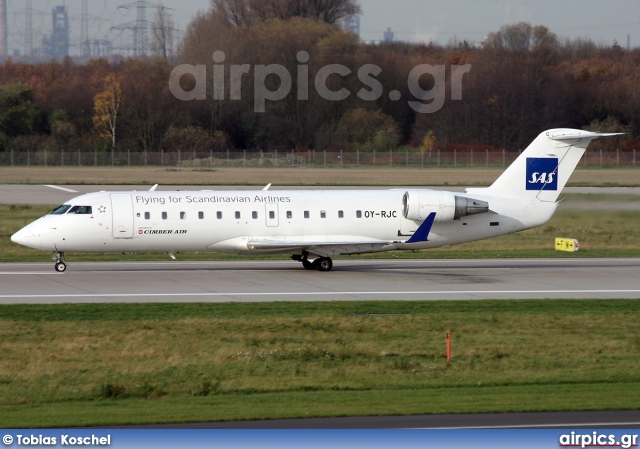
[(61, 188)]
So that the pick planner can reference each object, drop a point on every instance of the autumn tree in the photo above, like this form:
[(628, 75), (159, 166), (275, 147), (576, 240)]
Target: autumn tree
[(301, 47), (106, 106), (368, 130), (18, 113), (62, 129), (150, 109), (523, 80)]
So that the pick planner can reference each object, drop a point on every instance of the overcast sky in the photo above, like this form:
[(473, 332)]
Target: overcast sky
[(410, 20)]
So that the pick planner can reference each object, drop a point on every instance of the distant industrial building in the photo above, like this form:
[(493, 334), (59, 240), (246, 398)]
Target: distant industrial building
[(58, 44), (352, 23), (389, 35)]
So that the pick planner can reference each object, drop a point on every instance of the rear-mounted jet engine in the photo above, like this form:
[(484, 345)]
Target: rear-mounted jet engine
[(418, 204)]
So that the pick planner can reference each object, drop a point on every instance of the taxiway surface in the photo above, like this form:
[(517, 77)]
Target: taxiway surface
[(354, 279)]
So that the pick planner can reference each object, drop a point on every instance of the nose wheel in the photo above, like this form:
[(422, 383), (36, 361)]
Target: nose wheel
[(60, 264)]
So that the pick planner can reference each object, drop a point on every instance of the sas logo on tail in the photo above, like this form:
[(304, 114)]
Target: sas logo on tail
[(541, 172)]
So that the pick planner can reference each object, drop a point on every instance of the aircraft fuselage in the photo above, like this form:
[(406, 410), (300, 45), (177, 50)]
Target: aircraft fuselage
[(200, 221)]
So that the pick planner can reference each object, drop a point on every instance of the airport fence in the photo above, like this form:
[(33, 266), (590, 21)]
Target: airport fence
[(311, 158)]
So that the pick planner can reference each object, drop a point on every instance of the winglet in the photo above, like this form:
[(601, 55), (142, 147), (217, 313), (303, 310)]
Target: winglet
[(153, 189), (422, 234), (267, 187)]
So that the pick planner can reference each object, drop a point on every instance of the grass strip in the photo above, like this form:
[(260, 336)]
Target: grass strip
[(107, 364), (313, 404)]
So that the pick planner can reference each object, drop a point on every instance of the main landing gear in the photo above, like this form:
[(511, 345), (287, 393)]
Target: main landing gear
[(60, 265), (323, 263), (319, 263)]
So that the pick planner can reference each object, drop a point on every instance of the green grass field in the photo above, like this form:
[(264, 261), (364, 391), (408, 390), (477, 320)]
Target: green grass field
[(70, 365)]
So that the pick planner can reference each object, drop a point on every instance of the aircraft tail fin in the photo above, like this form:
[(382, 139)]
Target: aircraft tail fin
[(543, 169)]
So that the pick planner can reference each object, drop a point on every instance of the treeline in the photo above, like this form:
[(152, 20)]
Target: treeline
[(521, 81)]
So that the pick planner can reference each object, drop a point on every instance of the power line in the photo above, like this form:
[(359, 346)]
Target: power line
[(28, 36), (140, 26), (84, 29)]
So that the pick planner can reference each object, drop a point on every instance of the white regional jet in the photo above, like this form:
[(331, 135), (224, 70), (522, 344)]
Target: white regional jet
[(314, 225)]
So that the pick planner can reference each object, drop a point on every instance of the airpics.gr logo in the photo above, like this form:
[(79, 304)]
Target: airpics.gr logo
[(541, 173)]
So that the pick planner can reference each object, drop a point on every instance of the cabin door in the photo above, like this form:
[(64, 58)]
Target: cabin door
[(122, 207)]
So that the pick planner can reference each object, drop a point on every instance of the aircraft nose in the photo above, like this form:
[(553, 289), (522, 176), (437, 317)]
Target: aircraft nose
[(21, 238), (26, 238)]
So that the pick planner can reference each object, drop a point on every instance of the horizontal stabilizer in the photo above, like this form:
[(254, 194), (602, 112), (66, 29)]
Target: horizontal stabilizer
[(571, 134)]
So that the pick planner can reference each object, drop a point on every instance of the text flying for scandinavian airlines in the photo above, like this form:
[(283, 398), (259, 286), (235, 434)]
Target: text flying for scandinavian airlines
[(188, 199)]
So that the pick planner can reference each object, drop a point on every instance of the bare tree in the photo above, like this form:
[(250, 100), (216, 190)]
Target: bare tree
[(522, 37), (236, 13), (164, 35), (106, 108), (242, 13)]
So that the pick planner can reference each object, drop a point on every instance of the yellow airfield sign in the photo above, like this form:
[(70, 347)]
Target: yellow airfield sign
[(570, 245)]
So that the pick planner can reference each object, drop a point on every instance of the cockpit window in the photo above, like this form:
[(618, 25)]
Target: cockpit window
[(60, 209), (80, 210)]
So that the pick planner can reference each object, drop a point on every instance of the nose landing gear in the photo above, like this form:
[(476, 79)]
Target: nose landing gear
[(60, 264)]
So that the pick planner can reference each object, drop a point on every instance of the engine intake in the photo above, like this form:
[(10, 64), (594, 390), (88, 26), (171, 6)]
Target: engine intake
[(418, 204)]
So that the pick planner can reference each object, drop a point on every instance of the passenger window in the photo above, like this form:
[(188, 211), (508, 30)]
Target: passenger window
[(289, 214), (340, 214), (254, 215), (183, 215), (306, 214), (80, 210), (237, 214), (358, 214), (219, 215), (272, 215), (200, 215), (323, 214), (60, 209), (164, 215), (147, 215)]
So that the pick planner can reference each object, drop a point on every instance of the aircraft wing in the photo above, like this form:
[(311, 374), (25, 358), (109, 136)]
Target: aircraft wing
[(321, 248), (341, 244)]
